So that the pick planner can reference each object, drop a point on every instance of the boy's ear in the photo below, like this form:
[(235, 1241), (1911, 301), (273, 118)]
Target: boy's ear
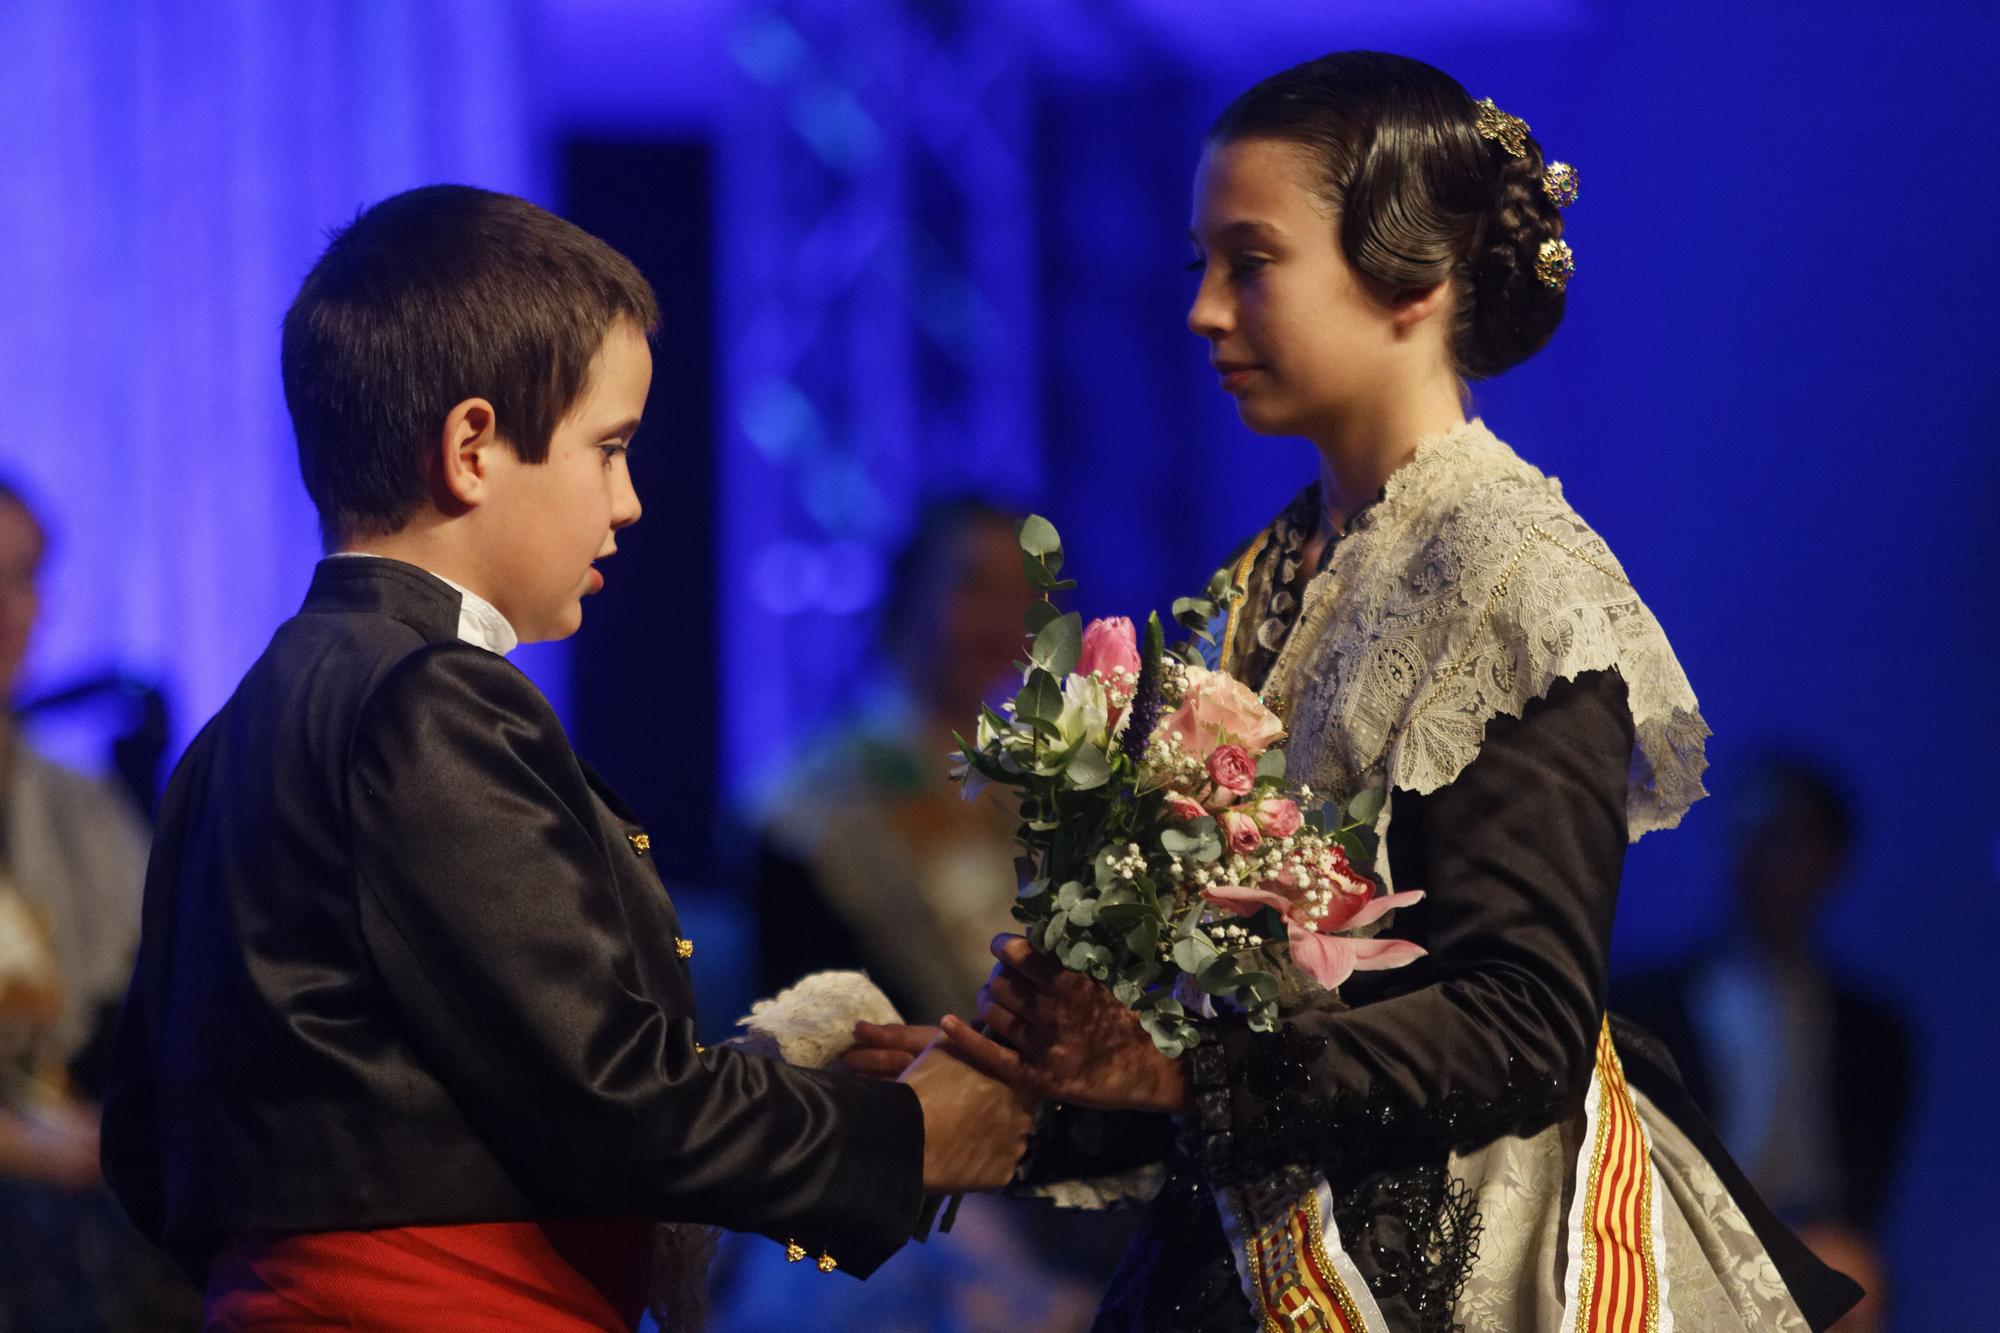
[(465, 451)]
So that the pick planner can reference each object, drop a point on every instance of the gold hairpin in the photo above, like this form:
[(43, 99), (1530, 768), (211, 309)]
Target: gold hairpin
[(1555, 264), (1559, 183), (1510, 132)]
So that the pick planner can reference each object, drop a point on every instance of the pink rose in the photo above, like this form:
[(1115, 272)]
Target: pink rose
[(1218, 710), (1111, 647), (1278, 817), (1239, 830), (1231, 769), (1182, 809)]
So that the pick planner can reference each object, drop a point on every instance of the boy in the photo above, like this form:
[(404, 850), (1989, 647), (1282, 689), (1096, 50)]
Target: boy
[(410, 1039)]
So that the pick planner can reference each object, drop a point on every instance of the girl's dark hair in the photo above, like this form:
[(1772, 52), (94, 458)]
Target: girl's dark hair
[(431, 297), (1421, 197)]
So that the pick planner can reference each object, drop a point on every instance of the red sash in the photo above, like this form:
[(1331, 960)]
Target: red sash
[(561, 1276)]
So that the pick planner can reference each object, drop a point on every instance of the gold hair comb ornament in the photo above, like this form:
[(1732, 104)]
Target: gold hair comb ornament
[(1559, 183), (1510, 132), (1555, 264)]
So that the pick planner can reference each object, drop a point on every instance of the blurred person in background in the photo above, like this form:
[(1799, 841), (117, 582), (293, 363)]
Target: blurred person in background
[(868, 856), (72, 859), (1806, 1075)]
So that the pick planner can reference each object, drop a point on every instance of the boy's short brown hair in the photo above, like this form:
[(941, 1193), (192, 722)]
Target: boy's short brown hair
[(429, 298)]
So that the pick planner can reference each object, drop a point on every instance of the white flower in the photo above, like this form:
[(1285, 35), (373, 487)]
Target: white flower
[(1085, 720)]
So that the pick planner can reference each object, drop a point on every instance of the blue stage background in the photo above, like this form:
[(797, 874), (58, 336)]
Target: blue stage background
[(949, 250)]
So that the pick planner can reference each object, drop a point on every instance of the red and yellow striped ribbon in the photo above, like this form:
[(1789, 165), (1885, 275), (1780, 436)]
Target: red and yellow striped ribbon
[(1298, 1289), (1615, 1283)]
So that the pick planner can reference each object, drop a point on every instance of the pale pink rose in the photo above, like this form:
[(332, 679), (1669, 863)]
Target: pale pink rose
[(1182, 808), (1219, 710), (1110, 645), (1232, 770), (1278, 817), (1239, 830)]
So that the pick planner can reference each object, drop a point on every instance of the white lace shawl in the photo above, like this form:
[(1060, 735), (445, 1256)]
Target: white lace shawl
[(1463, 594)]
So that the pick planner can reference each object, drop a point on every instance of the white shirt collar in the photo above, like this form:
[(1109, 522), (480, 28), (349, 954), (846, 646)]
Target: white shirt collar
[(479, 621)]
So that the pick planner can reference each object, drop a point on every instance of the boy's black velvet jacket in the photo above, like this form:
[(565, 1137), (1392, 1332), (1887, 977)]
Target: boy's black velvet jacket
[(407, 961)]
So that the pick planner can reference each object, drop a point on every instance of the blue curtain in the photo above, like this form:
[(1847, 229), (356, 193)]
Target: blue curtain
[(170, 171)]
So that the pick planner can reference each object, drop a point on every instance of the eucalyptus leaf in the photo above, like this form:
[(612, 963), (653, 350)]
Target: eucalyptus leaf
[(1038, 536), (1084, 913), (1219, 975), (1193, 952), (1186, 926), (1220, 584), (1196, 615), (1271, 764), (1365, 806), (1069, 895), (1165, 1034), (1144, 939), (1059, 645), (1038, 615), (1040, 699), (1089, 769)]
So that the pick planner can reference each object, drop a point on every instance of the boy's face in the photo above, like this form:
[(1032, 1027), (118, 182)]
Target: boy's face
[(551, 520)]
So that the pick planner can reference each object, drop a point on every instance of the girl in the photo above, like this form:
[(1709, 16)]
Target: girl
[(1467, 1142)]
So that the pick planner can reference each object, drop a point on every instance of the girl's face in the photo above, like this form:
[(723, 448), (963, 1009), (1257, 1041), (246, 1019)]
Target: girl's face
[(1294, 332)]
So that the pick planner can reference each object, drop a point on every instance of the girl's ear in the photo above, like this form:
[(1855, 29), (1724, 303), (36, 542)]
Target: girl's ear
[(1409, 310)]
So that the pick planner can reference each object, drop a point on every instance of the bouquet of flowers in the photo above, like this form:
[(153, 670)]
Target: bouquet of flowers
[(1166, 855)]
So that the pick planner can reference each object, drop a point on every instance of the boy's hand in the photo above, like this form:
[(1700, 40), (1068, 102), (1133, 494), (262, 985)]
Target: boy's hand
[(975, 1127), (1068, 1039), (885, 1050)]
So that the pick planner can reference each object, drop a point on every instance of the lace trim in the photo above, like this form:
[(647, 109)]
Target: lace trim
[(1415, 1235), (1468, 591), (1279, 1116)]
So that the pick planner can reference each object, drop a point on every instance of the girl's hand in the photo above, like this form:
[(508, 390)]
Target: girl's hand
[(1068, 1039), (885, 1051)]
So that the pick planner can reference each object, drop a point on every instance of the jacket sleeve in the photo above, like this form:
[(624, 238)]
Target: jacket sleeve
[(1520, 858), (488, 904)]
